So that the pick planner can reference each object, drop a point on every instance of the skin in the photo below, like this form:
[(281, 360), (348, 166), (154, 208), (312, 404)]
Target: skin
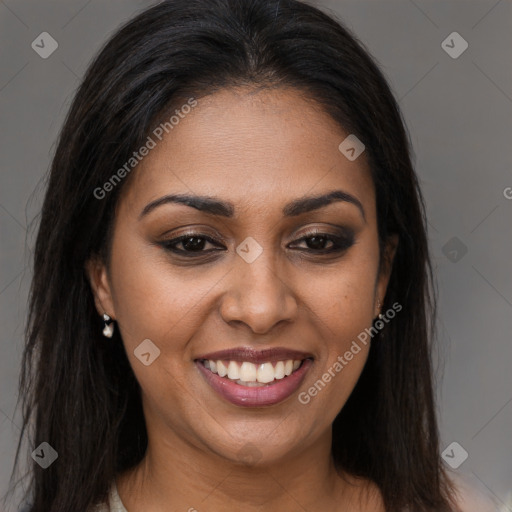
[(258, 150)]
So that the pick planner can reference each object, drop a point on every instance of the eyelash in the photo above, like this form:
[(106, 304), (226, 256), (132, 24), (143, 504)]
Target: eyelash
[(340, 243)]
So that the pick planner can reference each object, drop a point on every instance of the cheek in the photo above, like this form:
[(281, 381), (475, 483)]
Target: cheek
[(343, 305), (343, 297), (154, 299), (343, 354)]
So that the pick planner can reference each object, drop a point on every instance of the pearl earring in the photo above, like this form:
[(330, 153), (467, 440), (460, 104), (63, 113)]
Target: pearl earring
[(108, 330), (379, 305)]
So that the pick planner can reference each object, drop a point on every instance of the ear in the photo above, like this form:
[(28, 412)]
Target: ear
[(385, 270), (97, 274)]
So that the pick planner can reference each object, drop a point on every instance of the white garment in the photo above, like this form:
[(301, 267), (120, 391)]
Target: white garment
[(114, 503)]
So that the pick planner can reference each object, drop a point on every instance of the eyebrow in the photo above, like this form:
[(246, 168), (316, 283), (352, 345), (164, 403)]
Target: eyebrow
[(217, 207)]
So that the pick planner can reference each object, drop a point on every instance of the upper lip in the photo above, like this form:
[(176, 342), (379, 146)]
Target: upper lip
[(251, 355)]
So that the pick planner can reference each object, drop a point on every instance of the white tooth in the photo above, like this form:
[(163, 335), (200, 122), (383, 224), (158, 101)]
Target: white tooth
[(249, 384), (213, 366), (248, 372), (265, 373), (296, 364), (288, 367), (279, 370), (207, 364), (221, 369), (233, 371)]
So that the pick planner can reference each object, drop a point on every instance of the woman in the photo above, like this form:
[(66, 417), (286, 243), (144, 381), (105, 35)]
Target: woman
[(231, 305)]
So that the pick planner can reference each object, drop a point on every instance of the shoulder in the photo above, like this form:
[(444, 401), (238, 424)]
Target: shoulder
[(472, 496)]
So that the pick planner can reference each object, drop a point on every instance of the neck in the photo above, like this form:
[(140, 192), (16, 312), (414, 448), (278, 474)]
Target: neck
[(177, 473)]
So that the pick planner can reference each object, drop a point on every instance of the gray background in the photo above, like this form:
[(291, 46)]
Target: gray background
[(459, 115)]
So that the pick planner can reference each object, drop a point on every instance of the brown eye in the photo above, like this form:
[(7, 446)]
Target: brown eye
[(191, 243), (325, 243), (317, 242)]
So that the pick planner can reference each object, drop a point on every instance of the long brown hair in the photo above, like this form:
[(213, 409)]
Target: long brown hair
[(79, 393)]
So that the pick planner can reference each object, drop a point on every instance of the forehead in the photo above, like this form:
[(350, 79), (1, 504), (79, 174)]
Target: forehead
[(255, 148)]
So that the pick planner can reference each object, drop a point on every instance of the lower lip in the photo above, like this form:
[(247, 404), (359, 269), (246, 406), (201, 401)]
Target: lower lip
[(256, 396)]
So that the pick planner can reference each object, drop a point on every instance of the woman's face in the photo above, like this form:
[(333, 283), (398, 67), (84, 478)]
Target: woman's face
[(250, 278)]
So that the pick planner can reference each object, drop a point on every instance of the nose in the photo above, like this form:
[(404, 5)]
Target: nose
[(257, 296)]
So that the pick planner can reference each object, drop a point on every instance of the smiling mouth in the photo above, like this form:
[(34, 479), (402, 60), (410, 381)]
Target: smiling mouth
[(245, 373)]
